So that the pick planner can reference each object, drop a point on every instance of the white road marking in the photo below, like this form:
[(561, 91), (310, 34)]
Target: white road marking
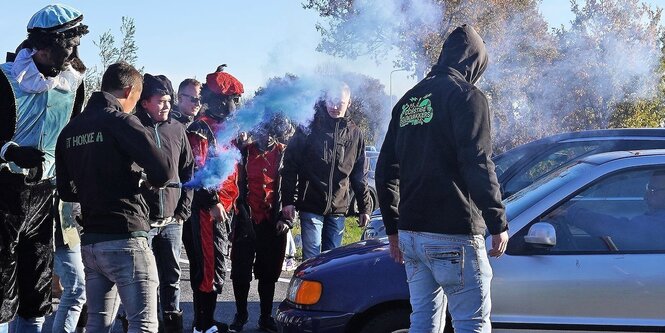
[(284, 280), (184, 261)]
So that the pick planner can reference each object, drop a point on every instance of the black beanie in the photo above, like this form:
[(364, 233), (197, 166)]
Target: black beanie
[(156, 85)]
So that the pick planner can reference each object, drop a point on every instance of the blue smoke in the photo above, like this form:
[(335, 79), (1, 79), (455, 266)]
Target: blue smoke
[(293, 97)]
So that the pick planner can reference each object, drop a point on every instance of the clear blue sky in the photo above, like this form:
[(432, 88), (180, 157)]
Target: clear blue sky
[(257, 39)]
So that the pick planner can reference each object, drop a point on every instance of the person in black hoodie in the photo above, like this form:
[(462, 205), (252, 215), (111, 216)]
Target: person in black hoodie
[(94, 157), (436, 184), (169, 206), (319, 164)]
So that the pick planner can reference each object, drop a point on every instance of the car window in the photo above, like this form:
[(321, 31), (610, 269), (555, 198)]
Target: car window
[(506, 160), (621, 213), (524, 199), (555, 158)]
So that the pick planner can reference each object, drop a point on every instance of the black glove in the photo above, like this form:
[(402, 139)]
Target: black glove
[(24, 157), (282, 227)]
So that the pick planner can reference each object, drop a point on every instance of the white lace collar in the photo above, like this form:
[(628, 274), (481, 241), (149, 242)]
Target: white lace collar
[(32, 81)]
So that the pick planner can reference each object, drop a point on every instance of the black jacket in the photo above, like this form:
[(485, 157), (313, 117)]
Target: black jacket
[(174, 200), (435, 172), (319, 166), (94, 156), (182, 118)]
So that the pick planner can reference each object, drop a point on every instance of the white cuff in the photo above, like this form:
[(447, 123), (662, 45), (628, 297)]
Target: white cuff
[(4, 148)]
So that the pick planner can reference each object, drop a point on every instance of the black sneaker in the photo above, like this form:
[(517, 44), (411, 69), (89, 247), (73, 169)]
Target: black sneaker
[(238, 323), (267, 323), (221, 327)]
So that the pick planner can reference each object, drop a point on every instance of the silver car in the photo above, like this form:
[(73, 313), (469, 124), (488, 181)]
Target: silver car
[(586, 254), (587, 250)]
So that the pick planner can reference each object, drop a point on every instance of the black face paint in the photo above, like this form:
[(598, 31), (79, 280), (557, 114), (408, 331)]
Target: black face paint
[(222, 106), (263, 138), (60, 56)]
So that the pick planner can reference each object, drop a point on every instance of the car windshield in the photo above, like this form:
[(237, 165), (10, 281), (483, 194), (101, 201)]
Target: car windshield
[(504, 161), (527, 197)]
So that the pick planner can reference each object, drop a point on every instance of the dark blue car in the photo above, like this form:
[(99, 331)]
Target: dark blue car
[(378, 307)]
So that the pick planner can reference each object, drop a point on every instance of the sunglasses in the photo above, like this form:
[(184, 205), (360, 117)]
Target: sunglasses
[(193, 99)]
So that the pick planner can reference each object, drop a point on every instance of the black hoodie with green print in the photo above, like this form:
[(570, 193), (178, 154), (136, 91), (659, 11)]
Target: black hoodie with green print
[(435, 172)]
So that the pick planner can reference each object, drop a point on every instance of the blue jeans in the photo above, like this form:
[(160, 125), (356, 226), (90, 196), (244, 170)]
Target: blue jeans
[(22, 325), (320, 233), (127, 268), (68, 264), (166, 244), (448, 270)]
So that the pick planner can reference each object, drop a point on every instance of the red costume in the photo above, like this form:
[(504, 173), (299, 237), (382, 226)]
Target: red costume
[(258, 246), (207, 240)]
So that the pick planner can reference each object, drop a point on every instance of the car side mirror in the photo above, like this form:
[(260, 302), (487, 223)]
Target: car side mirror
[(541, 235)]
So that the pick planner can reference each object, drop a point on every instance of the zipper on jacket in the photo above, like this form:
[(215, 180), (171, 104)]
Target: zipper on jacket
[(158, 140), (332, 169), (304, 192)]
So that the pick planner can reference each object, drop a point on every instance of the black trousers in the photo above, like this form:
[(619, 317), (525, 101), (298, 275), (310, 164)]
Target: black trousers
[(26, 247), (207, 245), (261, 251)]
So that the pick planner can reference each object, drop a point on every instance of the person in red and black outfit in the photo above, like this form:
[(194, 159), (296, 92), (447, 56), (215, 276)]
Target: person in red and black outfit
[(259, 235), (206, 233)]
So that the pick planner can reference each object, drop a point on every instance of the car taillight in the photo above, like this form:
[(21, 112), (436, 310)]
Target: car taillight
[(304, 292)]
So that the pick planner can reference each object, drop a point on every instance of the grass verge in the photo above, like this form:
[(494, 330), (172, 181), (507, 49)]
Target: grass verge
[(352, 233)]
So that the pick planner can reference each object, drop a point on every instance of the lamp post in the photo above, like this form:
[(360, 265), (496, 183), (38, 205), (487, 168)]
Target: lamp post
[(391, 83)]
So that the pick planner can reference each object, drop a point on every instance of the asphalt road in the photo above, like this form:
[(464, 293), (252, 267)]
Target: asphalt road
[(225, 302)]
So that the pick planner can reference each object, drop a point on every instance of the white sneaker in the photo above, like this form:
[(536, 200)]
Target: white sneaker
[(290, 264), (212, 329)]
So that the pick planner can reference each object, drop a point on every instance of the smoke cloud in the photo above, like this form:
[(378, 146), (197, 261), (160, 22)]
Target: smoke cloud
[(388, 21), (293, 97), (539, 82)]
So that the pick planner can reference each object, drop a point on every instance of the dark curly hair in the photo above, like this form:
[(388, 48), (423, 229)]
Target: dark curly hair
[(40, 39)]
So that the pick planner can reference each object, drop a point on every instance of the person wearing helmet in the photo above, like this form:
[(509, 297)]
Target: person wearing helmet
[(40, 90), (259, 235), (206, 232)]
